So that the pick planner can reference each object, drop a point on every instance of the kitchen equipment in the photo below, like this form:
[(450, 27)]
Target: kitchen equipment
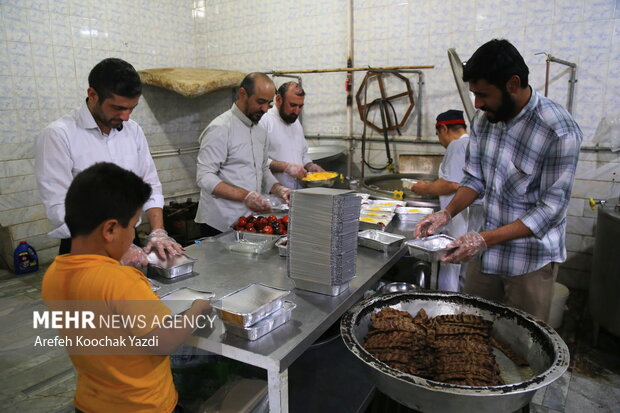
[(431, 248), (531, 339), (266, 325), (325, 153), (249, 304), (170, 267), (383, 186), (463, 88), (379, 240), (282, 245), (412, 214), (397, 287), (605, 278)]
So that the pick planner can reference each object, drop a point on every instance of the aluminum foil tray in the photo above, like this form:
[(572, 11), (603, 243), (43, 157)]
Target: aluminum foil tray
[(431, 248), (170, 267), (282, 245), (379, 240), (265, 326), (412, 214), (533, 340), (388, 202), (182, 299), (332, 290), (249, 304), (408, 183)]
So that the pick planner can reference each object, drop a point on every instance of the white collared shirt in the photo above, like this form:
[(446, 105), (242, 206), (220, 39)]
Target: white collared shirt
[(74, 142), (286, 143)]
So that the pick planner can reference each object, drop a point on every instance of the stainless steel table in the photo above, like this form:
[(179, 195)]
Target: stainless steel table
[(222, 272)]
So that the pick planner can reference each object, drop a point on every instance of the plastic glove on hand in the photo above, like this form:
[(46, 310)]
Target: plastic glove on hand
[(160, 241), (257, 203), (283, 192), (135, 257), (431, 223), (467, 245), (315, 168), (296, 171)]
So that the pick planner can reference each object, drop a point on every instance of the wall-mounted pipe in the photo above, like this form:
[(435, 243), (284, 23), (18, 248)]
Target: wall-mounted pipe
[(174, 152), (571, 81)]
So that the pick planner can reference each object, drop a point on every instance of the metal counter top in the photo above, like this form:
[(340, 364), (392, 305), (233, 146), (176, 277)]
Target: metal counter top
[(221, 271)]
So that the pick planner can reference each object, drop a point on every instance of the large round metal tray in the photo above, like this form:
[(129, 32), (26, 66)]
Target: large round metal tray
[(533, 340), (385, 185)]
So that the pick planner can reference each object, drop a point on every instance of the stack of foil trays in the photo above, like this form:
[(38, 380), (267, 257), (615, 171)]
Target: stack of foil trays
[(322, 242)]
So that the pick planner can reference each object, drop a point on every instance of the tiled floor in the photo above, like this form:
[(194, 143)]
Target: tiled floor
[(46, 383)]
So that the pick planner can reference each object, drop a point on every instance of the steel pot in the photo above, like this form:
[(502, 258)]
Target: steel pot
[(539, 344)]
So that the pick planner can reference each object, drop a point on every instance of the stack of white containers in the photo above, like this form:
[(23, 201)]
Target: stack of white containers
[(322, 239)]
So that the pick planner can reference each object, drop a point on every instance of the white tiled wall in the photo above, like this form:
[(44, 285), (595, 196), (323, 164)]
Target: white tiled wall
[(47, 48)]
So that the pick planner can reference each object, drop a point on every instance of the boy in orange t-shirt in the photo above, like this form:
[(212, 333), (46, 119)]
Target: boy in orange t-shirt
[(103, 205)]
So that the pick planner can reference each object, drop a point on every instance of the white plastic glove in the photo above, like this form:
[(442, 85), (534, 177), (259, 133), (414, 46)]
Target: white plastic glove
[(467, 245), (256, 202), (135, 257), (431, 223), (296, 171), (162, 243), (315, 168), (282, 192)]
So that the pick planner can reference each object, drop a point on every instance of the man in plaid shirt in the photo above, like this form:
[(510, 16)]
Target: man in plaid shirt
[(522, 157)]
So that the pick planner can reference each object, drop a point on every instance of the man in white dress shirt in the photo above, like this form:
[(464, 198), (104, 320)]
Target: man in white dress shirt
[(101, 131), (233, 168), (288, 149), (452, 133)]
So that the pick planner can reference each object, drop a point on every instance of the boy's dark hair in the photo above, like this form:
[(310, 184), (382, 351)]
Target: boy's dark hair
[(100, 192), (496, 61), (115, 76)]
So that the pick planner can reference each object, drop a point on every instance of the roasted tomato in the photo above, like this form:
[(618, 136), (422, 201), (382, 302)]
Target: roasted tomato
[(262, 222), (285, 219), (249, 219), (250, 229), (267, 229), (242, 222), (272, 218)]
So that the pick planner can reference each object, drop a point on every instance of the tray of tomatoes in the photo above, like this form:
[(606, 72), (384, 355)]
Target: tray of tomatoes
[(270, 225)]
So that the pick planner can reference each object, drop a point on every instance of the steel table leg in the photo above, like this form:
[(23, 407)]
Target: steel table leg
[(278, 391)]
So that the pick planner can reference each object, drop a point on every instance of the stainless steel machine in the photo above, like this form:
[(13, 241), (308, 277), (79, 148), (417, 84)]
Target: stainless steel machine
[(605, 278)]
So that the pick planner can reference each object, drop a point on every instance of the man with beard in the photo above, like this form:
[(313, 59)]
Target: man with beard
[(522, 157), (288, 149), (233, 168), (101, 131)]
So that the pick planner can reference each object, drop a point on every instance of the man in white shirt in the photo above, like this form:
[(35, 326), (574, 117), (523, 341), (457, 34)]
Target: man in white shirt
[(288, 149), (101, 131), (452, 133), (233, 168)]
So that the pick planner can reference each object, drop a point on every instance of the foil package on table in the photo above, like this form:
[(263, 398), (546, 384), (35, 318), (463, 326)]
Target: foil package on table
[(250, 304)]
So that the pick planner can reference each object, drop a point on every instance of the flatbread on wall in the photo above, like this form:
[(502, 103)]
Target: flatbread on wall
[(191, 82)]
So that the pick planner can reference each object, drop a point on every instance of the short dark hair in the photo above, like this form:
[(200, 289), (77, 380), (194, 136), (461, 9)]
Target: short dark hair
[(115, 76), (100, 192), (284, 87), (496, 62), (249, 81)]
